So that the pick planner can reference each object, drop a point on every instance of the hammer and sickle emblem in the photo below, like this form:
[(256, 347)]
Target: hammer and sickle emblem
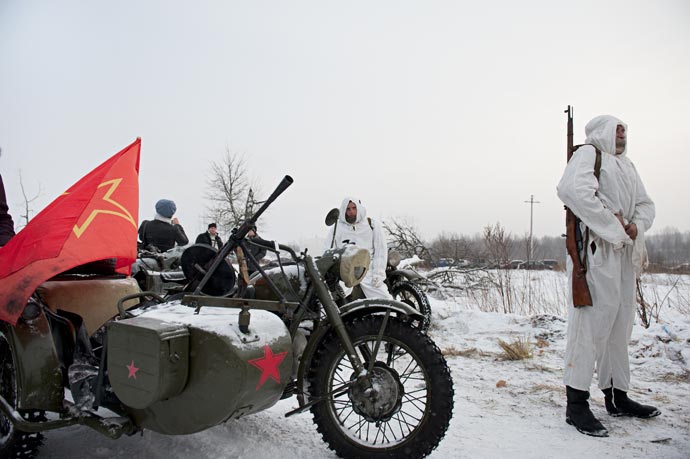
[(79, 230)]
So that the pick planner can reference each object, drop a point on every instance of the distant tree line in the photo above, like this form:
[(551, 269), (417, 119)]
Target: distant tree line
[(669, 249), (495, 246)]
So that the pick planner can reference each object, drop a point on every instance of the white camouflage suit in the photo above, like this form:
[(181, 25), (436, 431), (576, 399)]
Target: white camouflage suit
[(366, 233), (600, 333)]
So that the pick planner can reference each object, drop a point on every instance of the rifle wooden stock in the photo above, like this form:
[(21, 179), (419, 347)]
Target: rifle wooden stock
[(581, 295)]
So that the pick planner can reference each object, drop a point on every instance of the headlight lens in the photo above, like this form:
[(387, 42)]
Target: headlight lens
[(360, 271)]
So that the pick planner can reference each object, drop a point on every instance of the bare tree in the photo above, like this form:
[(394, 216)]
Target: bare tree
[(455, 246), (499, 244), (26, 216), (405, 239), (229, 191), (669, 248), (550, 247)]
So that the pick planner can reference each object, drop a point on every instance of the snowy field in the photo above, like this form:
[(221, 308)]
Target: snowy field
[(511, 409)]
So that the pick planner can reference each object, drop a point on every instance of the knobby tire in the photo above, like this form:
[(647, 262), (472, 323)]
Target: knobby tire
[(426, 403)]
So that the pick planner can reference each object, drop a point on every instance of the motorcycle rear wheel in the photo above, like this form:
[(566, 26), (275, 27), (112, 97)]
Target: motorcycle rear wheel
[(15, 443), (411, 410), (411, 294)]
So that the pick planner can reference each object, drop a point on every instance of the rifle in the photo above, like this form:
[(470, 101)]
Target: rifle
[(573, 239)]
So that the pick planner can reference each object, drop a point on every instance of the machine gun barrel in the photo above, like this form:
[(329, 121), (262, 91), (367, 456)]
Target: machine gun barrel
[(239, 233)]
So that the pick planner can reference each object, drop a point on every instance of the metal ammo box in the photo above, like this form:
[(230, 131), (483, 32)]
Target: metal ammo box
[(148, 360)]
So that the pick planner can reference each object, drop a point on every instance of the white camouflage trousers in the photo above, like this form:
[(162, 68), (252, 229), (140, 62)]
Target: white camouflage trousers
[(598, 336)]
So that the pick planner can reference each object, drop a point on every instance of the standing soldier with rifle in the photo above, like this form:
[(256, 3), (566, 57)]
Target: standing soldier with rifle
[(608, 211)]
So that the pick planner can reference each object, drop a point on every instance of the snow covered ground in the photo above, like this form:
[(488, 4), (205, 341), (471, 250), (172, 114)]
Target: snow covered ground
[(512, 409)]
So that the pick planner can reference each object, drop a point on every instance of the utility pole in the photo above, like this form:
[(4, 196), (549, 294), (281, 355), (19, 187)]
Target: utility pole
[(531, 203)]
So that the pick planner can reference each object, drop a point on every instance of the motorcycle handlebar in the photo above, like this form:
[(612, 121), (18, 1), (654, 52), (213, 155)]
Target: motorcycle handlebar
[(262, 242), (271, 245)]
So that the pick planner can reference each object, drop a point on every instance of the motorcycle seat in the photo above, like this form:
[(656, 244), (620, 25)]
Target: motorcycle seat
[(94, 300), (173, 276)]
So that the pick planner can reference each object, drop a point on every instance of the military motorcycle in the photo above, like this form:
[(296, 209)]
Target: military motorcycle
[(375, 384), (168, 273), (159, 272), (402, 283)]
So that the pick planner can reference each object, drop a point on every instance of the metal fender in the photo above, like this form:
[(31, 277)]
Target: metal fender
[(39, 378), (354, 309), (372, 305), (406, 273)]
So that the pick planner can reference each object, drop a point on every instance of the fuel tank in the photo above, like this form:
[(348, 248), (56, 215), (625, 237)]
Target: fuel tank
[(186, 372), (292, 284)]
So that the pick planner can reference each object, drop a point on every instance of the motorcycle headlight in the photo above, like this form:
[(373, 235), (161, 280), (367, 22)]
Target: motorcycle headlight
[(354, 264), (394, 258)]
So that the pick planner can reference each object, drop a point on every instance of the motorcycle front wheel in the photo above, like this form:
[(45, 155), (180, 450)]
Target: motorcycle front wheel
[(15, 443), (401, 410), (411, 294)]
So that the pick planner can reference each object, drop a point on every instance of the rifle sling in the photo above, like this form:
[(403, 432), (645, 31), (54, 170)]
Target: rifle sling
[(597, 160)]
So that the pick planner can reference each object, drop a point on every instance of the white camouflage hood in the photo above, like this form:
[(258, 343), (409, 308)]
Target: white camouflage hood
[(361, 210), (601, 132)]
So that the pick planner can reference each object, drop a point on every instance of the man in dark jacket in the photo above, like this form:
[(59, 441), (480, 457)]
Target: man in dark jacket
[(6, 223), (163, 231), (210, 237), (256, 250)]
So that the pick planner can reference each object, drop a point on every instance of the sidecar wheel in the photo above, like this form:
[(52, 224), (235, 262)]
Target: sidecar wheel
[(406, 415), (15, 443), (411, 294)]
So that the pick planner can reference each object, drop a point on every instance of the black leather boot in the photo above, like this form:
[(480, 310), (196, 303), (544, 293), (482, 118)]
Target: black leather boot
[(618, 404), (578, 414), (608, 401)]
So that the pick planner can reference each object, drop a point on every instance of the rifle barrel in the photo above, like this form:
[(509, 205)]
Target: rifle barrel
[(573, 239), (569, 147)]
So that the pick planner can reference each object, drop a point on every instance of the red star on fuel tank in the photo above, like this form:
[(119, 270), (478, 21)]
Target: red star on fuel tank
[(268, 364), (132, 370)]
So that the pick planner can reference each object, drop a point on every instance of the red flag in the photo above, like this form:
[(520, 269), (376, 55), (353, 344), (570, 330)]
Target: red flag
[(95, 219)]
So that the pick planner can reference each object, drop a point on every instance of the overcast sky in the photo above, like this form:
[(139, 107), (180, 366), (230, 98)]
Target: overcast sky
[(446, 113)]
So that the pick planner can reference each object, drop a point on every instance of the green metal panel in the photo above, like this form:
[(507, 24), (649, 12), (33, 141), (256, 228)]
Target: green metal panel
[(222, 383), (147, 360)]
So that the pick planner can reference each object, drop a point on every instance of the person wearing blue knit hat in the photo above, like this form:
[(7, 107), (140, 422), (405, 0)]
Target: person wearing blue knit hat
[(166, 208), (164, 231)]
